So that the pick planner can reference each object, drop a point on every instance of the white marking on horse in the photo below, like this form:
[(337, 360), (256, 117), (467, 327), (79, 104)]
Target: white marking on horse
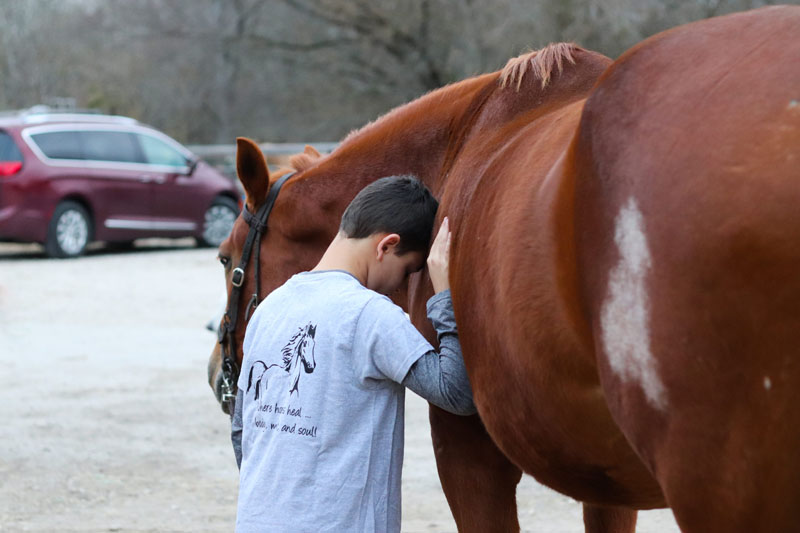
[(625, 314), (767, 383)]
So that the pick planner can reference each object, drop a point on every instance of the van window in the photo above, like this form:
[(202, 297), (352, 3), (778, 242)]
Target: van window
[(8, 148), (59, 144), (117, 146), (157, 152)]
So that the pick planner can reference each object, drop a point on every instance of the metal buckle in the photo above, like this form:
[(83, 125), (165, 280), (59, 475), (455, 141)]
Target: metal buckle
[(227, 383), (238, 277), (227, 390), (228, 395)]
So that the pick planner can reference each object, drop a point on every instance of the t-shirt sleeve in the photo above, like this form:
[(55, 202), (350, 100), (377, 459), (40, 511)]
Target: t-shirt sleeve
[(386, 344), (441, 378)]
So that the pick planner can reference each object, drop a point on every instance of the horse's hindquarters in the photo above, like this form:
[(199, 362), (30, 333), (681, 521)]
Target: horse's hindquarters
[(689, 252)]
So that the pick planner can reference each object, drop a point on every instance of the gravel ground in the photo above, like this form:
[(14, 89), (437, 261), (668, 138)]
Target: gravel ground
[(108, 423)]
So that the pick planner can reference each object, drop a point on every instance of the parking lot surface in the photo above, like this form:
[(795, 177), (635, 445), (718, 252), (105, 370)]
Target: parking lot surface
[(108, 423)]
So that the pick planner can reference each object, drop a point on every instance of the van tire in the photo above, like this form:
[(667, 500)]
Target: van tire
[(69, 231), (218, 221)]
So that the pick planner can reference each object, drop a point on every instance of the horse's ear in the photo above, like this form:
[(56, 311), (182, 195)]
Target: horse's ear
[(310, 150), (251, 167)]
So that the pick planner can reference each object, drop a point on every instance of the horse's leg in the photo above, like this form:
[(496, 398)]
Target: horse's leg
[(480, 483), (600, 519)]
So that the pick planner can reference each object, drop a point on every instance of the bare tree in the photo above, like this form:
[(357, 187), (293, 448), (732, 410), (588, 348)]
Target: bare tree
[(209, 70)]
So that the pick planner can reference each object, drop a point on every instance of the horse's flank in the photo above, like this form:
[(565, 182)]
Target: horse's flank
[(699, 154)]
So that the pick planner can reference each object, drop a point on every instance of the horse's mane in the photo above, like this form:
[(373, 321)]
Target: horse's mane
[(541, 63), (304, 160), (297, 163), (289, 349)]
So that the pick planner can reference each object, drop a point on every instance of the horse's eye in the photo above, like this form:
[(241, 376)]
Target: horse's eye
[(224, 260)]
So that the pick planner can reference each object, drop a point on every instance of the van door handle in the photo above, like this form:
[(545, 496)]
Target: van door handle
[(147, 178)]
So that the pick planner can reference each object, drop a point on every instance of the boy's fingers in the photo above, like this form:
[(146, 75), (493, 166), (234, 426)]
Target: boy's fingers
[(441, 244), (444, 229), (440, 236), (446, 224)]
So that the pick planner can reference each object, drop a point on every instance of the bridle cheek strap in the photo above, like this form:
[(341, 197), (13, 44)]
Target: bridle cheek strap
[(227, 332)]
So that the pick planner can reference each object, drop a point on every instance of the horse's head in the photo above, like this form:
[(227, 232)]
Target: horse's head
[(295, 236), (215, 375)]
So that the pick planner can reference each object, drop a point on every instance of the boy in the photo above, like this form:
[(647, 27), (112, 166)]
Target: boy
[(326, 360)]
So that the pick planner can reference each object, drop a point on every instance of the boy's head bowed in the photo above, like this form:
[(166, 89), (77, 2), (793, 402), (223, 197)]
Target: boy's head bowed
[(394, 204)]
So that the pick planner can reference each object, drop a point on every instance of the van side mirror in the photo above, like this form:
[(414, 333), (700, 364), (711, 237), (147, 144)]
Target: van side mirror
[(191, 166)]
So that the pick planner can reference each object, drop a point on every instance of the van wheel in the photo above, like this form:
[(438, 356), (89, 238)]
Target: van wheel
[(69, 230), (218, 221)]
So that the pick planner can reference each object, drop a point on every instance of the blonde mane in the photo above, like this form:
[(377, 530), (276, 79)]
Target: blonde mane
[(296, 163), (541, 63), (305, 160)]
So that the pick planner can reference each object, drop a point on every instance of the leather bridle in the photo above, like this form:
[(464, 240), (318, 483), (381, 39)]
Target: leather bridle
[(227, 330)]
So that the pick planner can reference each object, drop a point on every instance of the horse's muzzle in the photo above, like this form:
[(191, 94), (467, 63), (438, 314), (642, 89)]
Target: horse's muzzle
[(215, 379)]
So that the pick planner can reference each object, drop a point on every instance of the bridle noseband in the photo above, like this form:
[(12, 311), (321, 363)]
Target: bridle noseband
[(227, 330)]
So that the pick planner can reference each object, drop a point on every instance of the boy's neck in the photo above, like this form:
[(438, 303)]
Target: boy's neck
[(347, 255)]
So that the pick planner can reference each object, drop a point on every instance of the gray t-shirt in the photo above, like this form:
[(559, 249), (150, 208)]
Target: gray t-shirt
[(322, 408)]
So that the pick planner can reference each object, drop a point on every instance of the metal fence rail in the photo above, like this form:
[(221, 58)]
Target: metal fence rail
[(269, 149)]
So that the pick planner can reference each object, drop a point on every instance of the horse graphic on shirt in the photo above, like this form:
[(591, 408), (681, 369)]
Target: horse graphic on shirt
[(298, 354)]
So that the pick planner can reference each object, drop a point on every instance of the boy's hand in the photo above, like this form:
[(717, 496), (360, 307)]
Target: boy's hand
[(439, 258)]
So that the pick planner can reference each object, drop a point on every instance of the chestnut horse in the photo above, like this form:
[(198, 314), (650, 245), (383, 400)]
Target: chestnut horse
[(636, 250)]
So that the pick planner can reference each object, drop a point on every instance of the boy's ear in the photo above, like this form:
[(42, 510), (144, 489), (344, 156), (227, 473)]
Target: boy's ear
[(251, 167), (386, 244)]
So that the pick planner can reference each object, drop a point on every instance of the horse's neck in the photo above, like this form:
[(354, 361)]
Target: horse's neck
[(413, 139)]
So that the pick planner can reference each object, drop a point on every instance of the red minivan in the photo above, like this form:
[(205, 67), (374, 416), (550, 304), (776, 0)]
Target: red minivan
[(67, 179)]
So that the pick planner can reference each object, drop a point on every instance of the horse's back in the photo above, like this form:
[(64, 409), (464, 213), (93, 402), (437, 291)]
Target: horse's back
[(687, 195)]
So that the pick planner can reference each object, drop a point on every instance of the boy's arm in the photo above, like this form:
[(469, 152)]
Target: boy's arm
[(236, 428), (441, 377)]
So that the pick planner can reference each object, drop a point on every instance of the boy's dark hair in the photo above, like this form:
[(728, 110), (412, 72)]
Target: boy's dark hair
[(394, 204)]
